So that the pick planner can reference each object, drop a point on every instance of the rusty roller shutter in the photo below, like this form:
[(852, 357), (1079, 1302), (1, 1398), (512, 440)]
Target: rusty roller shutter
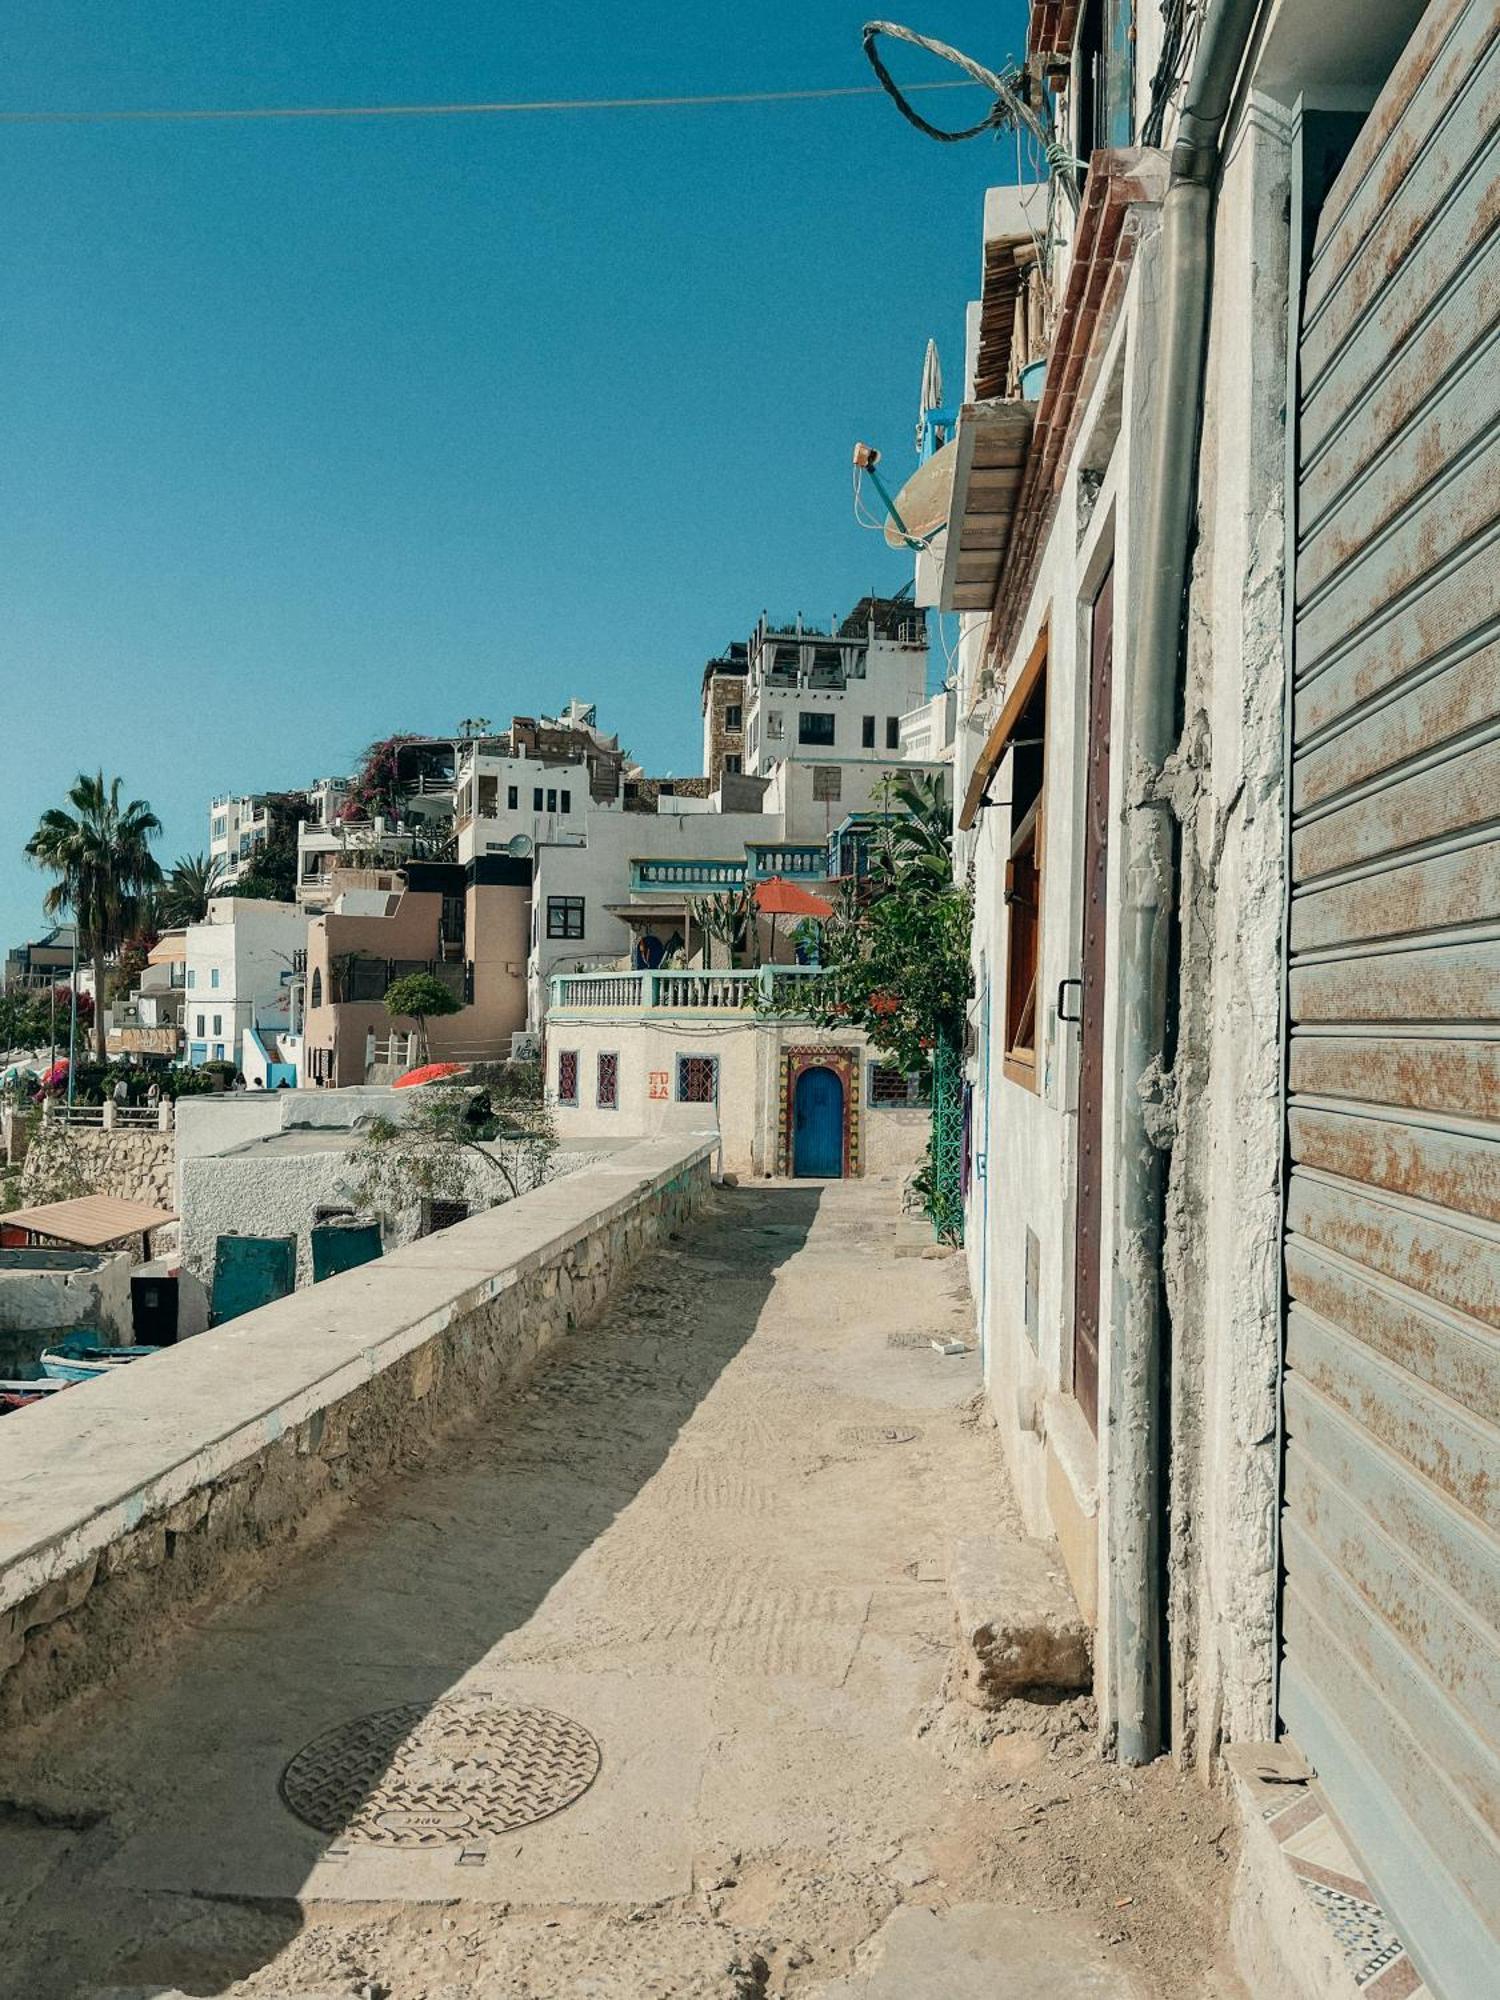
[(1391, 1672)]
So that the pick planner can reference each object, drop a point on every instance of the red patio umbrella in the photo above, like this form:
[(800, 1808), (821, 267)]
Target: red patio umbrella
[(776, 897)]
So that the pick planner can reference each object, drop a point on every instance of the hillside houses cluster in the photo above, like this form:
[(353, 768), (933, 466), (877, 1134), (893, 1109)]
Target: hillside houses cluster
[(557, 890)]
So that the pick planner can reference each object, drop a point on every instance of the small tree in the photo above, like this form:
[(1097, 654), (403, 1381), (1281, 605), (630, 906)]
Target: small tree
[(420, 997), (459, 1142)]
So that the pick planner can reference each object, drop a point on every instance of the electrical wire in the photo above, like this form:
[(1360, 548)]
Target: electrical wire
[(212, 115), (1010, 89)]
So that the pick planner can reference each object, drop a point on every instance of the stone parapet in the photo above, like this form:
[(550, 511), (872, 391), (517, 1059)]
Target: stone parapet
[(126, 1501)]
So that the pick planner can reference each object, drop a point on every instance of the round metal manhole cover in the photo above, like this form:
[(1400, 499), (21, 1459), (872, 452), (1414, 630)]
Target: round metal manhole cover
[(863, 1434), (433, 1775)]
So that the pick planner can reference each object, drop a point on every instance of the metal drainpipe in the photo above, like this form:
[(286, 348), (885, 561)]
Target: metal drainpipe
[(1140, 1398)]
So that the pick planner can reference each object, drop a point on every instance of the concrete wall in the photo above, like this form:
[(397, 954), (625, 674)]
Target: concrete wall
[(1223, 1255), (44, 1291), (178, 1482)]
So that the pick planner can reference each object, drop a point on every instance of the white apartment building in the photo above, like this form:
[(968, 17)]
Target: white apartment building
[(237, 975), (237, 826), (817, 696)]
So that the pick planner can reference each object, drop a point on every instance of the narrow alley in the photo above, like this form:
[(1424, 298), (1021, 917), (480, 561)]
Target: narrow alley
[(653, 1660)]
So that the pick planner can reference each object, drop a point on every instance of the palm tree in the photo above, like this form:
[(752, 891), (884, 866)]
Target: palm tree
[(193, 880), (101, 855)]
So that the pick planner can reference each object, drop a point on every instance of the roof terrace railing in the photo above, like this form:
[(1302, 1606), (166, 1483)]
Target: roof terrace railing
[(675, 991)]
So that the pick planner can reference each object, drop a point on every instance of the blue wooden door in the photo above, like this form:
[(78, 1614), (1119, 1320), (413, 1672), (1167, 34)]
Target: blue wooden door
[(818, 1125)]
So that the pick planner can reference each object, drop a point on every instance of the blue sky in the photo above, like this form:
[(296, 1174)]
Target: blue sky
[(316, 431)]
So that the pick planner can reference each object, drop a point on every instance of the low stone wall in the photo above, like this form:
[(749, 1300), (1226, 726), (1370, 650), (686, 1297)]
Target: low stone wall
[(126, 1501), (135, 1163)]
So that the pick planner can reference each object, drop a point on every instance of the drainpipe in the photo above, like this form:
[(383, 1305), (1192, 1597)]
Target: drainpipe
[(1140, 1397)]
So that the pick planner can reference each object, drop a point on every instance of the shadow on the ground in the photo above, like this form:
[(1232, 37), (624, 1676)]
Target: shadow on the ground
[(410, 1593)]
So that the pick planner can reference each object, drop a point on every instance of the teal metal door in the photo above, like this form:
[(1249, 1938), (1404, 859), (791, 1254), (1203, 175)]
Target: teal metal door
[(818, 1126)]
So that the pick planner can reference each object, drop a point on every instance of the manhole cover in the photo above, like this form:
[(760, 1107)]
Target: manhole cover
[(431, 1776), (879, 1434)]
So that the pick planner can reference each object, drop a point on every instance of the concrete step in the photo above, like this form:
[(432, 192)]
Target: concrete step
[(1020, 1629)]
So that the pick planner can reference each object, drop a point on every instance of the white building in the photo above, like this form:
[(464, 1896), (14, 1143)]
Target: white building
[(629, 875), (634, 1054), (812, 696), (1227, 687), (238, 824), (238, 970)]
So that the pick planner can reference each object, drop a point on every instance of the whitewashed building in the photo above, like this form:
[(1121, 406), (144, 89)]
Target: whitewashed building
[(1227, 679), (238, 970)]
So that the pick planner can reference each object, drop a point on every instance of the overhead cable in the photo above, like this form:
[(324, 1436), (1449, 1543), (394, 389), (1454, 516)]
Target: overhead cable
[(219, 115)]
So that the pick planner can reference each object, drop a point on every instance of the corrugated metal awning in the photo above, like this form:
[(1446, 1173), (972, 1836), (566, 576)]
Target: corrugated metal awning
[(992, 442)]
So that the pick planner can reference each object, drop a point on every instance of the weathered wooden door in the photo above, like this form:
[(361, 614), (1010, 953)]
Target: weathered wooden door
[(1088, 1208), (1391, 1520)]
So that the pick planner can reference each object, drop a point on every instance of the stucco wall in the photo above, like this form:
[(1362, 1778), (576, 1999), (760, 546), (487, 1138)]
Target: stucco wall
[(1223, 1256), (201, 1463)]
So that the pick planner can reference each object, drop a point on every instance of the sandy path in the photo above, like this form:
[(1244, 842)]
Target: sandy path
[(712, 1538)]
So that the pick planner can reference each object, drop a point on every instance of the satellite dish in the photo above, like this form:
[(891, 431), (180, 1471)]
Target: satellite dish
[(923, 501), (519, 846)]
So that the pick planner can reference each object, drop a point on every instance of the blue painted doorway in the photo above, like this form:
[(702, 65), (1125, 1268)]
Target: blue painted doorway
[(818, 1125)]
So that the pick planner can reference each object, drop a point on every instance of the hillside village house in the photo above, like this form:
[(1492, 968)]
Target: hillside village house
[(238, 967), (723, 702), (467, 925), (1227, 787)]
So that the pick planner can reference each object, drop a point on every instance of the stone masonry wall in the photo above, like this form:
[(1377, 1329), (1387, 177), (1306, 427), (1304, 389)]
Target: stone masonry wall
[(219, 1538), (133, 1165)]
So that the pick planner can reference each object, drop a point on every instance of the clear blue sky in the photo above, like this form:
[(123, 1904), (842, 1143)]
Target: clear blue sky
[(316, 431)]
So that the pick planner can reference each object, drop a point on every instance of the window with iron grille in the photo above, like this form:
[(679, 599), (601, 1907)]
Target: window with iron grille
[(567, 1076), (697, 1079), (565, 916), (815, 726), (607, 1093), (892, 1087)]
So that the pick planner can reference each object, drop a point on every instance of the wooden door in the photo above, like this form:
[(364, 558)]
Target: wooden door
[(1089, 1206)]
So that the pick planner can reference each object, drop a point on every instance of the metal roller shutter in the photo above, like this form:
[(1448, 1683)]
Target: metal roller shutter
[(1391, 1520)]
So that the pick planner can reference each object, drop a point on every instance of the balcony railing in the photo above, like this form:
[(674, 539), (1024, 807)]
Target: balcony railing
[(805, 858), (692, 876), (674, 991)]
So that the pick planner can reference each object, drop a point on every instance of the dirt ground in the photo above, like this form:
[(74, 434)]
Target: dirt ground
[(713, 1534)]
